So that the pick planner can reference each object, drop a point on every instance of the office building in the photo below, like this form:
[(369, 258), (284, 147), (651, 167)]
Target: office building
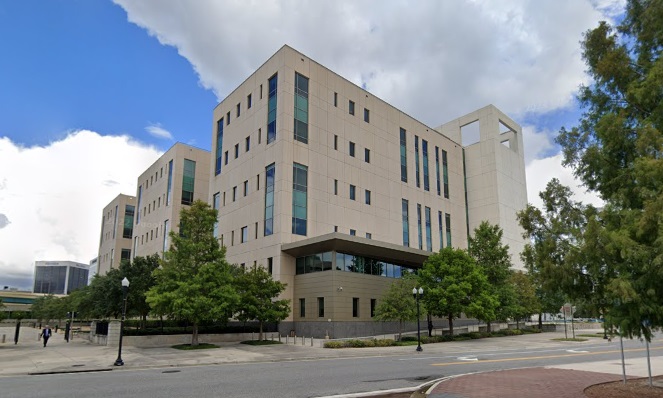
[(178, 178), (336, 192), (117, 223), (59, 277)]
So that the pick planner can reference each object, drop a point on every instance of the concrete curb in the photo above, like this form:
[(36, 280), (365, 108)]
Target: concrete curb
[(64, 371), (392, 391)]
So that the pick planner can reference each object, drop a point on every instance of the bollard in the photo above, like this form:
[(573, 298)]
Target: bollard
[(279, 337), (311, 341)]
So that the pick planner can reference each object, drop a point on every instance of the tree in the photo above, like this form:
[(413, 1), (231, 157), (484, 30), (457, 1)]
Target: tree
[(526, 303), (141, 278), (615, 150), (258, 293), (194, 282), (493, 257), (397, 303), (453, 284), (2, 313)]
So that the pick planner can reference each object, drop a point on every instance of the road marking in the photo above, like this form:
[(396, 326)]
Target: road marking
[(545, 356), (468, 358), (576, 351)]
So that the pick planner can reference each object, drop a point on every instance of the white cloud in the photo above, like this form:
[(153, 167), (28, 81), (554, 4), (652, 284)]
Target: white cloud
[(54, 196), (156, 130)]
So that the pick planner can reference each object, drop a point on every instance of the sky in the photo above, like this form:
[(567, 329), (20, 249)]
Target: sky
[(92, 92)]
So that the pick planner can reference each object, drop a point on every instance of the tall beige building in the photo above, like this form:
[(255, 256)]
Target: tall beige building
[(337, 193), (178, 178), (116, 233)]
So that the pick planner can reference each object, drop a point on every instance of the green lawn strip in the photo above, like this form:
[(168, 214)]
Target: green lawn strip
[(260, 342), (569, 339), (200, 346), (590, 335)]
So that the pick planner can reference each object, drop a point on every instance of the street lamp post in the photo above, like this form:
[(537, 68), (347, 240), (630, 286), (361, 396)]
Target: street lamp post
[(125, 289), (417, 295)]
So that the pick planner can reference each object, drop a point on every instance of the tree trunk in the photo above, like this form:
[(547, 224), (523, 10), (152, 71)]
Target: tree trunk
[(540, 321), (194, 334), (430, 325), (400, 329), (260, 334), (488, 328), (451, 324)]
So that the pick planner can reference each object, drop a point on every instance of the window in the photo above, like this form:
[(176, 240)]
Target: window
[(353, 232), (140, 194), (352, 192), (232, 238), (367, 155), (301, 108), (166, 231), (170, 183), (219, 147), (447, 221), (245, 235), (236, 151), (270, 172), (261, 91), (238, 109), (302, 308), (429, 237), (403, 156), (248, 101), (335, 228), (257, 182), (299, 198), (373, 306), (406, 223), (228, 118), (256, 231), (367, 197), (367, 115), (335, 142), (259, 135), (419, 233), (246, 187), (234, 193), (416, 161), (128, 229), (369, 235), (355, 307), (351, 107), (445, 173), (188, 179), (225, 158), (270, 265), (271, 109), (247, 144), (224, 198), (424, 151), (352, 149), (321, 307), (216, 201), (437, 169), (335, 187), (335, 99)]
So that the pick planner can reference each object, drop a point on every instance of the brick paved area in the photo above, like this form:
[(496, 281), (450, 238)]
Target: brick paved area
[(522, 383)]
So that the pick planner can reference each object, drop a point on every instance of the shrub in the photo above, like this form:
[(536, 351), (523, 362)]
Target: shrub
[(333, 344), (383, 342), (408, 338)]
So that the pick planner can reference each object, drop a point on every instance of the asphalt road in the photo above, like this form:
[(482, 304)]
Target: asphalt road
[(311, 378)]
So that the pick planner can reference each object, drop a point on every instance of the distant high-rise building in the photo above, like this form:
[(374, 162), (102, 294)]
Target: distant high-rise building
[(178, 178), (117, 223), (93, 270), (59, 277)]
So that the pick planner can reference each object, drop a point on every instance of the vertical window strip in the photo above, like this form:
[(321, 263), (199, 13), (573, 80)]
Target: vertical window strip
[(169, 190), (270, 173), (440, 229), (188, 180), (429, 237), (301, 108), (445, 173), (271, 109), (216, 202), (299, 199), (416, 161), (406, 223), (437, 169), (447, 221), (219, 147), (419, 234), (424, 150), (140, 196), (403, 156), (166, 232)]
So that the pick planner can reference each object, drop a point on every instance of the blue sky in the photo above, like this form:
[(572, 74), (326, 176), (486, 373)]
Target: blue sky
[(93, 91), (72, 65)]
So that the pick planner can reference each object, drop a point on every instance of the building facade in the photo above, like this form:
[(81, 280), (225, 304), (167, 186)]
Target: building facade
[(336, 192), (115, 241), (178, 178), (59, 277)]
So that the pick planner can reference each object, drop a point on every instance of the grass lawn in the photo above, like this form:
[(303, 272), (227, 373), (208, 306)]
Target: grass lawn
[(200, 346)]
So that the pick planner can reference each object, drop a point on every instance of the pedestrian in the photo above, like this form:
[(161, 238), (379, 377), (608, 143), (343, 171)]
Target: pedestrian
[(46, 334)]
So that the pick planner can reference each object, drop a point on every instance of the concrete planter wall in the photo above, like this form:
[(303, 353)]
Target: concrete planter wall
[(169, 340)]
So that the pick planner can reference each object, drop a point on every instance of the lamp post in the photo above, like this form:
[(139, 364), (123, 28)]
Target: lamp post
[(417, 295), (125, 289)]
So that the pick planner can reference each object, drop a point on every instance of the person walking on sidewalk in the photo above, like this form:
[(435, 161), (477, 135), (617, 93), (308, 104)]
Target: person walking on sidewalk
[(46, 334)]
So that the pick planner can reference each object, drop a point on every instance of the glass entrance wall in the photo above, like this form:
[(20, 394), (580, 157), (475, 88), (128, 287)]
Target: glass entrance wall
[(349, 263)]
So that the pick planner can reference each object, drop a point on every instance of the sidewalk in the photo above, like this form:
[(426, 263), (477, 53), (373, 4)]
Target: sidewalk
[(29, 357)]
